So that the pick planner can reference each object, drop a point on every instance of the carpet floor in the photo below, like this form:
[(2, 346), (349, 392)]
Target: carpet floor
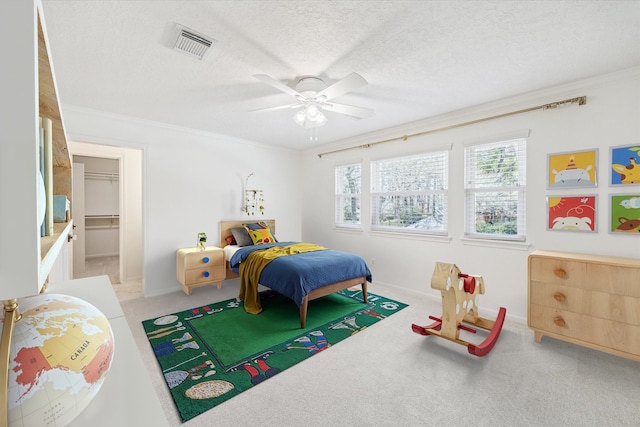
[(212, 353), (388, 375)]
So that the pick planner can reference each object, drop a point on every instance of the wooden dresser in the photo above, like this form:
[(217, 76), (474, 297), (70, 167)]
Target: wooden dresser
[(588, 300)]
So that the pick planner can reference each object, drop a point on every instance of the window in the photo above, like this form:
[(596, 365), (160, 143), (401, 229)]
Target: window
[(348, 192), (495, 183), (410, 193)]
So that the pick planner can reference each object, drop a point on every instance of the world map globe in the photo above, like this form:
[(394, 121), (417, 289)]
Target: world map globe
[(61, 352)]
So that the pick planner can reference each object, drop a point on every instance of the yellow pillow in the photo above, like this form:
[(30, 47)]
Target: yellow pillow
[(261, 235)]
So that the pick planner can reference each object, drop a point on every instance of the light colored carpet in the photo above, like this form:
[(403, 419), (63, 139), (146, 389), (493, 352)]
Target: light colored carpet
[(387, 375)]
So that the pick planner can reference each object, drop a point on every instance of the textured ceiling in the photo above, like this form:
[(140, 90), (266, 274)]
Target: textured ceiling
[(420, 58)]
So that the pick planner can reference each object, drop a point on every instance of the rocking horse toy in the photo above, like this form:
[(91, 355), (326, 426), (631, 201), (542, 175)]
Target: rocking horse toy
[(459, 292)]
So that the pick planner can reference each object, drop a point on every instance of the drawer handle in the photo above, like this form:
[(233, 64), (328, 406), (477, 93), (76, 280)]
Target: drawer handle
[(559, 297), (205, 274), (205, 259), (559, 272), (559, 321)]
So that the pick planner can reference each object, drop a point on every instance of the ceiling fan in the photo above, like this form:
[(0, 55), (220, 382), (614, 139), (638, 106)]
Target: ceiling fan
[(313, 96)]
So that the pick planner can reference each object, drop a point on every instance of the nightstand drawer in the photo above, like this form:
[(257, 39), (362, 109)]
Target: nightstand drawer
[(203, 258), (206, 274)]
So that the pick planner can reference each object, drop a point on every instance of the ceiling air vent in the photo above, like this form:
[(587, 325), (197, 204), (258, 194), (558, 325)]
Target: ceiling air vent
[(191, 42)]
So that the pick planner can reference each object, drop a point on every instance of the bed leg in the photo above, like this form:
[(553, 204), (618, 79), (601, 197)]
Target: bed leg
[(364, 291), (303, 312)]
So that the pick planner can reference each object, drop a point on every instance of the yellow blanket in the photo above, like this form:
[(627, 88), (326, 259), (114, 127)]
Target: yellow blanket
[(251, 269)]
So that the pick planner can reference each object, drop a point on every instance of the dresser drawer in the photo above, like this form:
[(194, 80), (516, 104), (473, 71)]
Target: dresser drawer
[(558, 271), (606, 333), (621, 308), (614, 279), (556, 296)]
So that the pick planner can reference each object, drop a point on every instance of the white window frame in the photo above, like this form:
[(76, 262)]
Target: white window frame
[(342, 197), (475, 186), (442, 190)]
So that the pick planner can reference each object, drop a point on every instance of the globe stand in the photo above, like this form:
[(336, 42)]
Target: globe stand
[(11, 315)]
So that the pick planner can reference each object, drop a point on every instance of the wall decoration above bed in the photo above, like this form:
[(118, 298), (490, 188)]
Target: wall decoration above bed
[(572, 169), (253, 199)]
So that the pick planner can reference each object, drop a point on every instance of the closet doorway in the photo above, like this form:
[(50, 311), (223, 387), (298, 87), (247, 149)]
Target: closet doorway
[(109, 221), (97, 218)]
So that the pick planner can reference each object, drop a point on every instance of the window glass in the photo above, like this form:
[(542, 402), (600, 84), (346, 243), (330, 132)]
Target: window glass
[(410, 193), (495, 184), (348, 194)]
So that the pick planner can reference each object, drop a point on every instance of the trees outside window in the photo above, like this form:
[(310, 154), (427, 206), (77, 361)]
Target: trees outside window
[(410, 193), (348, 195), (495, 184)]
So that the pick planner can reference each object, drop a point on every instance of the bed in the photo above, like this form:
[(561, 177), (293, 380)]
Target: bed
[(302, 277)]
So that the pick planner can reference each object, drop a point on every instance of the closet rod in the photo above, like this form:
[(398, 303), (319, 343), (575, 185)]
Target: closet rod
[(101, 174), (580, 100), (101, 227)]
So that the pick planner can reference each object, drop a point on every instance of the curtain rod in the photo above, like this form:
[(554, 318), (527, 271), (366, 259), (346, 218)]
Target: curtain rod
[(581, 100)]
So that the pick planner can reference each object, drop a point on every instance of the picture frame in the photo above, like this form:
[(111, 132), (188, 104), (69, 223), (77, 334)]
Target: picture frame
[(624, 213), (572, 169), (576, 213), (624, 165)]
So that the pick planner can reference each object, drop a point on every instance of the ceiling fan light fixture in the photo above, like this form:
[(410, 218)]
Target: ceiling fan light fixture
[(319, 119), (300, 117), (313, 112), (310, 117)]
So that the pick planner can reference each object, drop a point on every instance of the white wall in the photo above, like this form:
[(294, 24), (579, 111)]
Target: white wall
[(192, 181), (610, 118)]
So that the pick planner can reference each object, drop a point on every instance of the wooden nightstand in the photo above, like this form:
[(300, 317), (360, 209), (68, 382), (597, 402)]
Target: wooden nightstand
[(200, 267)]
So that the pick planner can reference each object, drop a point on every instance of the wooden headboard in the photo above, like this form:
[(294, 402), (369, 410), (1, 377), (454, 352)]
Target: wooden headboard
[(226, 226)]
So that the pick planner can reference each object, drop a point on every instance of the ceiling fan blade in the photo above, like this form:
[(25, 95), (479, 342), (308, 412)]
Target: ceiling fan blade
[(279, 107), (349, 110), (278, 85), (352, 82)]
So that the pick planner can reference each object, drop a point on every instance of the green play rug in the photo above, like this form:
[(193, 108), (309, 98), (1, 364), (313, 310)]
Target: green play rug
[(211, 353)]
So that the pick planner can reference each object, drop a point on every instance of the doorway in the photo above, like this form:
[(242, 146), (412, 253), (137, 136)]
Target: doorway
[(110, 215)]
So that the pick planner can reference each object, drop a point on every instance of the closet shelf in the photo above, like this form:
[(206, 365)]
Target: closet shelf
[(103, 216)]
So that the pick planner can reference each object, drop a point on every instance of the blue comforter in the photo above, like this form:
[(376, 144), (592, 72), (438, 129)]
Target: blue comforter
[(296, 275)]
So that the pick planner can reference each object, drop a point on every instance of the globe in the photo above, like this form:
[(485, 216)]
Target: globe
[(61, 352)]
